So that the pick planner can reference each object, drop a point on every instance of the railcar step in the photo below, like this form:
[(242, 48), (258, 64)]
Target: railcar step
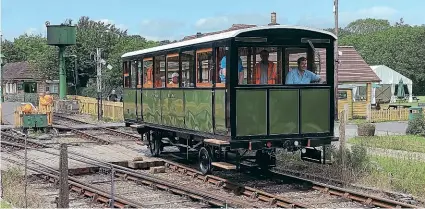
[(216, 141), (136, 126), (224, 165)]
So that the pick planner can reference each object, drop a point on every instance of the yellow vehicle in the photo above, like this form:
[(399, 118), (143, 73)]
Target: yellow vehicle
[(37, 118)]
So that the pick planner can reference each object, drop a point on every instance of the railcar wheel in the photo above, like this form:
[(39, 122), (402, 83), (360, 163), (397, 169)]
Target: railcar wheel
[(156, 148), (204, 161)]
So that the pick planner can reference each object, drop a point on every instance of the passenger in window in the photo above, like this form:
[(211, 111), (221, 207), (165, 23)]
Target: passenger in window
[(265, 70), (222, 72), (301, 75), (174, 81)]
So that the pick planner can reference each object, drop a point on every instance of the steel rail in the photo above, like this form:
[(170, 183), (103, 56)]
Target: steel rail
[(82, 188), (115, 132), (150, 180), (251, 192)]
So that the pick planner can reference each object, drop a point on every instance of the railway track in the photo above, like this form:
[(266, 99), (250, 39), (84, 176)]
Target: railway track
[(138, 178), (270, 198)]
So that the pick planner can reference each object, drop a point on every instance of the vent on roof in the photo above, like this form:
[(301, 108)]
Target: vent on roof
[(198, 34)]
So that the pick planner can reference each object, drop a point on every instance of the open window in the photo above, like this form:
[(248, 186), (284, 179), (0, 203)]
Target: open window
[(139, 74), (126, 74), (159, 71), (204, 63), (173, 75), (311, 61), (260, 65), (133, 74), (148, 73), (220, 67), (188, 68)]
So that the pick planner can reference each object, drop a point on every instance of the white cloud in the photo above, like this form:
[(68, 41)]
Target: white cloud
[(31, 31), (345, 17), (159, 30), (379, 12), (225, 21), (108, 21)]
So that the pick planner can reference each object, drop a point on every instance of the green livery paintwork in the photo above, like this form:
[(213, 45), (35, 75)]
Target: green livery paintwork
[(220, 115), (151, 105), (198, 110), (315, 110), (251, 113), (283, 111), (129, 103), (172, 108), (139, 105)]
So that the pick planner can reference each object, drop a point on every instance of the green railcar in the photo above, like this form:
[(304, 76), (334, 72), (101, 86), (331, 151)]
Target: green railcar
[(232, 97)]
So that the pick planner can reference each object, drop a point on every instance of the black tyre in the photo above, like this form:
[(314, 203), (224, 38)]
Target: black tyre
[(204, 161)]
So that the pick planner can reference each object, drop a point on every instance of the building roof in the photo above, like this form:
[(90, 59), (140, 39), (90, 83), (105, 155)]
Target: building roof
[(221, 36), (389, 76), (352, 67), (19, 70)]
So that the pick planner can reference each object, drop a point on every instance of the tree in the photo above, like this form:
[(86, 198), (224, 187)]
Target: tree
[(400, 47), (369, 25)]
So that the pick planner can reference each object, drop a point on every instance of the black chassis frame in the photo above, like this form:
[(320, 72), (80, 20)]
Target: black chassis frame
[(244, 142)]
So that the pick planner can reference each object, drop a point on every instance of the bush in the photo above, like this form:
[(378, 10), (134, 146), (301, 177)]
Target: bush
[(366, 129), (416, 126)]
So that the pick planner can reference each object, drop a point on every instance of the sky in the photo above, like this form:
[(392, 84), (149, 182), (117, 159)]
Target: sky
[(173, 19)]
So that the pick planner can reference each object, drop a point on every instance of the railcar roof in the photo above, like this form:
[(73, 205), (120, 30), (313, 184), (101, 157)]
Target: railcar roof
[(220, 36)]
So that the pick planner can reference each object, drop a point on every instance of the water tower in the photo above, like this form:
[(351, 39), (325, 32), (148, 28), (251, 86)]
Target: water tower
[(61, 36)]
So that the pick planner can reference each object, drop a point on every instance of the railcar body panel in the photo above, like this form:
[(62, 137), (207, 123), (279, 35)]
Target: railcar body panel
[(130, 106)]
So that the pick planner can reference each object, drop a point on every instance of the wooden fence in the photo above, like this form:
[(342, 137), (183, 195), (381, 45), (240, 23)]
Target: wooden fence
[(114, 110), (401, 114), (111, 110)]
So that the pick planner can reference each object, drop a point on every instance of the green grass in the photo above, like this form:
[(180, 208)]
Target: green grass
[(405, 142), (4, 204), (403, 175)]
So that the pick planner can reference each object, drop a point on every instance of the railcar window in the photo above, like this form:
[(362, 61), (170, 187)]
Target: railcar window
[(159, 71), (260, 65), (204, 62), (305, 66), (220, 67), (126, 74), (173, 75), (133, 74), (147, 73), (139, 74), (188, 69)]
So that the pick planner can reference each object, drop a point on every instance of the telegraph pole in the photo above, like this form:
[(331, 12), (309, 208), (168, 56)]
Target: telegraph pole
[(336, 59), (98, 60)]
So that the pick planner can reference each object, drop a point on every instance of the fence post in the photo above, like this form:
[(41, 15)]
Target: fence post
[(342, 141), (368, 112), (63, 178), (112, 186), (26, 177)]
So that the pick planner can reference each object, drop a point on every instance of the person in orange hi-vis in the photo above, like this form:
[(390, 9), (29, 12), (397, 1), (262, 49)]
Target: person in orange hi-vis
[(265, 70)]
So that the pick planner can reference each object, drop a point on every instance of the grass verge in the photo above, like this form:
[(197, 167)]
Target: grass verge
[(409, 143), (4, 204), (13, 190), (403, 175)]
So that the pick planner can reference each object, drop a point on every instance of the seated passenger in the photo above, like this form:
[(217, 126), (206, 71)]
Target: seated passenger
[(222, 73), (301, 75), (265, 70), (174, 81)]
